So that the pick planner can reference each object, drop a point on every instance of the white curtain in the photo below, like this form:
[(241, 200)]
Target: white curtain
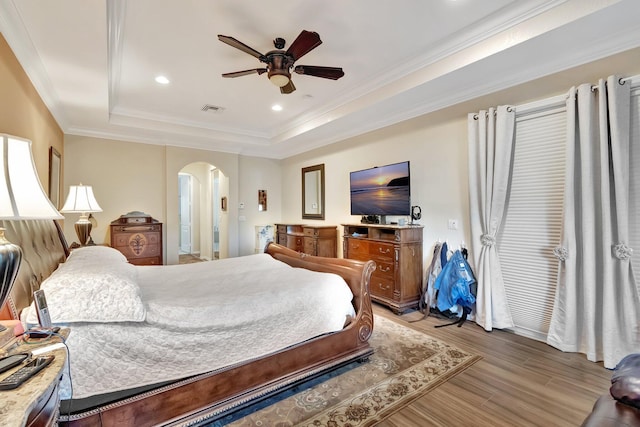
[(597, 306), (491, 139)]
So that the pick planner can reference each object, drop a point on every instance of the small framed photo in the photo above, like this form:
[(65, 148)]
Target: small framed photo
[(262, 200)]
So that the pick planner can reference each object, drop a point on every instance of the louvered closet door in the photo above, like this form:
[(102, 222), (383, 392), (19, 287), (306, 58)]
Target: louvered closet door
[(533, 219)]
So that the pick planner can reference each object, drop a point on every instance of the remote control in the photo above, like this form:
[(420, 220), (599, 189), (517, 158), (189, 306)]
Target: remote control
[(27, 371)]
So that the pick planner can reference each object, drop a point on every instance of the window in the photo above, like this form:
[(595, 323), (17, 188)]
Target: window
[(533, 219)]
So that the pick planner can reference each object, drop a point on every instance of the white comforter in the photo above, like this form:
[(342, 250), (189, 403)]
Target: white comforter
[(202, 317)]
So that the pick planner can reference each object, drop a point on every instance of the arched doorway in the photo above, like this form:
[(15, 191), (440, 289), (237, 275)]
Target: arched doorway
[(202, 217)]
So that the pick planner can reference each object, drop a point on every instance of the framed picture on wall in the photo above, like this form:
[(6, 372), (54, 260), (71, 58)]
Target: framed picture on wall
[(262, 200), (55, 162)]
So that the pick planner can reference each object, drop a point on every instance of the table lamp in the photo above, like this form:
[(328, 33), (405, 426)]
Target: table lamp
[(21, 197), (81, 200)]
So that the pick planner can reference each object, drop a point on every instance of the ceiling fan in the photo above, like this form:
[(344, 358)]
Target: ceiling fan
[(279, 62)]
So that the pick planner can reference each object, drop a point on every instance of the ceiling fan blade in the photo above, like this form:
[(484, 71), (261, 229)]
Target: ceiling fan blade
[(303, 44), (243, 47), (245, 72), (333, 73), (288, 88)]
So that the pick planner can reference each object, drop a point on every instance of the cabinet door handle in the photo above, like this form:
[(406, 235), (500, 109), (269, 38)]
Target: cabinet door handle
[(385, 251), (383, 269), (384, 287)]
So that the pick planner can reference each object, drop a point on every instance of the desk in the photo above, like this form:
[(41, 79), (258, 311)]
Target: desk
[(36, 402)]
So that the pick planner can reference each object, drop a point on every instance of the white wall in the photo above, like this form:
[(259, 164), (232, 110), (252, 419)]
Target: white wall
[(258, 174), (438, 156)]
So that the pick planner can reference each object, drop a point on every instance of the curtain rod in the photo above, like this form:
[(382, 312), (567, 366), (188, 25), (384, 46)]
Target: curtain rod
[(621, 81)]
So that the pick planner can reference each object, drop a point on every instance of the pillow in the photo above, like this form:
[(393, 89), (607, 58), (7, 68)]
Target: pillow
[(625, 382), (91, 292), (104, 254)]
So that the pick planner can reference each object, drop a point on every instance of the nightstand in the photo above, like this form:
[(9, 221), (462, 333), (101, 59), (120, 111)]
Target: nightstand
[(36, 402)]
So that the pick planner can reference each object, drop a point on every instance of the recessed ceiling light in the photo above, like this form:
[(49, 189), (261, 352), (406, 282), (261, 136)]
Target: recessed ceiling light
[(276, 107), (162, 80)]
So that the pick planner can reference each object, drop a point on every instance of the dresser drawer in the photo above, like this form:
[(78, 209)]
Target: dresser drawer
[(381, 286), (384, 268), (309, 246), (140, 251), (358, 247), (379, 249), (135, 239), (295, 242), (307, 231), (146, 261)]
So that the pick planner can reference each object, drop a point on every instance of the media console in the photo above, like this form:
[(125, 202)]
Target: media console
[(397, 252)]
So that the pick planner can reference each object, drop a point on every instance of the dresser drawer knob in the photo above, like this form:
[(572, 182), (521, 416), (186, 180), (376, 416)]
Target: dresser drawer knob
[(384, 251)]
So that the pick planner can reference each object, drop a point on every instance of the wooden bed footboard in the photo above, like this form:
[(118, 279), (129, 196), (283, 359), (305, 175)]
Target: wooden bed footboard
[(206, 396)]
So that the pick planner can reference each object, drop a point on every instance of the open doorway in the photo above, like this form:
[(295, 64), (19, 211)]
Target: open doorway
[(202, 214)]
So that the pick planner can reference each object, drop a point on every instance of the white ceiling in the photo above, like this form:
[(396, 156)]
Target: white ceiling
[(94, 62)]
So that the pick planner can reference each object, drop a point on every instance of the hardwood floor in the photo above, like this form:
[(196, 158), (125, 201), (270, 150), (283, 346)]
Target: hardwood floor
[(518, 382)]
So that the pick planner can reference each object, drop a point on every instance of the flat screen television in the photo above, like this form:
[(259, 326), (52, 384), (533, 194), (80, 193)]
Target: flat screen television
[(382, 190)]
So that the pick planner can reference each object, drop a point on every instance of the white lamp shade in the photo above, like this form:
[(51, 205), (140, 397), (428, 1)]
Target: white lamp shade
[(279, 80), (21, 194), (81, 200)]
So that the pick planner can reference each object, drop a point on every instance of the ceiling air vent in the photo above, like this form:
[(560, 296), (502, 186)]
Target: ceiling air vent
[(212, 108)]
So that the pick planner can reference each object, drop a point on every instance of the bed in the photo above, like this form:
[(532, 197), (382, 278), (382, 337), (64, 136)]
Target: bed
[(200, 380)]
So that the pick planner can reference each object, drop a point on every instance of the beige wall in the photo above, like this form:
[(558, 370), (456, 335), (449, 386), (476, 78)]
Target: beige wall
[(436, 146), (125, 177), (130, 176), (23, 114), (438, 156)]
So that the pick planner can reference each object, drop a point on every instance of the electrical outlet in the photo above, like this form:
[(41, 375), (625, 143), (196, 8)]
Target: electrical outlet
[(241, 205), (453, 224)]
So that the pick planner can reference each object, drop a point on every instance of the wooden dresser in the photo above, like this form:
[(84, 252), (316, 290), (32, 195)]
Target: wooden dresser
[(138, 237), (309, 239), (397, 252)]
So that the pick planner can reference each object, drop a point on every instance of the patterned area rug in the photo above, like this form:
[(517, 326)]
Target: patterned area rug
[(406, 364)]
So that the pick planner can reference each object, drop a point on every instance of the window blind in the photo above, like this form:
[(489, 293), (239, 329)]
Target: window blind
[(533, 218)]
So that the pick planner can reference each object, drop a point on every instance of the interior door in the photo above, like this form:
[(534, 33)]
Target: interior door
[(184, 212)]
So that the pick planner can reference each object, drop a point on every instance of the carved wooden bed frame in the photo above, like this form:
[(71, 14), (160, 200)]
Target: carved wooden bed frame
[(203, 397)]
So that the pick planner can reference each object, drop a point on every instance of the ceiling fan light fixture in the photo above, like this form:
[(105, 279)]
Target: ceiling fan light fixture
[(279, 80)]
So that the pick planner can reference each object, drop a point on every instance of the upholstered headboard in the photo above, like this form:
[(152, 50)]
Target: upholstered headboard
[(43, 249)]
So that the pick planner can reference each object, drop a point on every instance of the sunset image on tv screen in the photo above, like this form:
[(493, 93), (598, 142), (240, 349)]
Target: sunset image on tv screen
[(383, 190)]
